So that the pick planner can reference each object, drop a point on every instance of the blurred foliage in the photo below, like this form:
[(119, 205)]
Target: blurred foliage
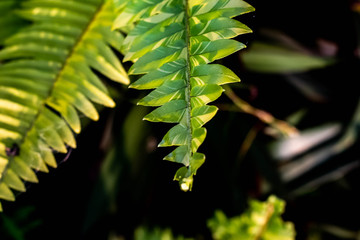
[(19, 224), (261, 221), (269, 58), (10, 23), (156, 234)]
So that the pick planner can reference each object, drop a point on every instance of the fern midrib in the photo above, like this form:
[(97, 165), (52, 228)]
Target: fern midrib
[(79, 40), (188, 75), (43, 105)]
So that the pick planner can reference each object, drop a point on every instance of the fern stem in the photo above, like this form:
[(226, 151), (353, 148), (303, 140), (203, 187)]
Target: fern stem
[(282, 126), (188, 73), (269, 213), (78, 40)]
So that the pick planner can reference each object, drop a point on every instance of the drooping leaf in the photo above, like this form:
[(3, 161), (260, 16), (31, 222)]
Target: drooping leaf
[(47, 79), (267, 58), (171, 45)]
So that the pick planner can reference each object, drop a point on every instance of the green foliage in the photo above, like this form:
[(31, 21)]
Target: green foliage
[(46, 74), (46, 78), (18, 225), (318, 165), (142, 233), (261, 221), (171, 45)]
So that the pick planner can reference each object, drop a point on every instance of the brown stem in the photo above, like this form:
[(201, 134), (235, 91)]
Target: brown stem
[(282, 126), (269, 212)]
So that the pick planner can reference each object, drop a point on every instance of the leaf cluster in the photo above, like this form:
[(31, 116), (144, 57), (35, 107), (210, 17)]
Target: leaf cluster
[(262, 220), (48, 79)]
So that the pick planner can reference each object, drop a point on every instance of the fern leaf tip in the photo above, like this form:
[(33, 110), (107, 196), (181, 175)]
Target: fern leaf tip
[(132, 86), (110, 103), (126, 81), (94, 116), (77, 129), (72, 144)]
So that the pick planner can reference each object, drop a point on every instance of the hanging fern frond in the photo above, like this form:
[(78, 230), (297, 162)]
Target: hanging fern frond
[(172, 45), (46, 79)]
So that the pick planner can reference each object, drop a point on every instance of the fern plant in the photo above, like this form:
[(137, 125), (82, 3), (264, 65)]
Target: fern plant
[(46, 79), (46, 75), (171, 45)]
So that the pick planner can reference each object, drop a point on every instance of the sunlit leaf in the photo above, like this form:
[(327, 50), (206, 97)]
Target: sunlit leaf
[(172, 44), (47, 78)]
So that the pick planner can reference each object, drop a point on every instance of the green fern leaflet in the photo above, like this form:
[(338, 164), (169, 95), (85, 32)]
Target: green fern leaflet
[(46, 79), (172, 45)]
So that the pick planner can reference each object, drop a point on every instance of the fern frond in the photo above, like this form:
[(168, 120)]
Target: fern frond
[(46, 79), (172, 45)]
